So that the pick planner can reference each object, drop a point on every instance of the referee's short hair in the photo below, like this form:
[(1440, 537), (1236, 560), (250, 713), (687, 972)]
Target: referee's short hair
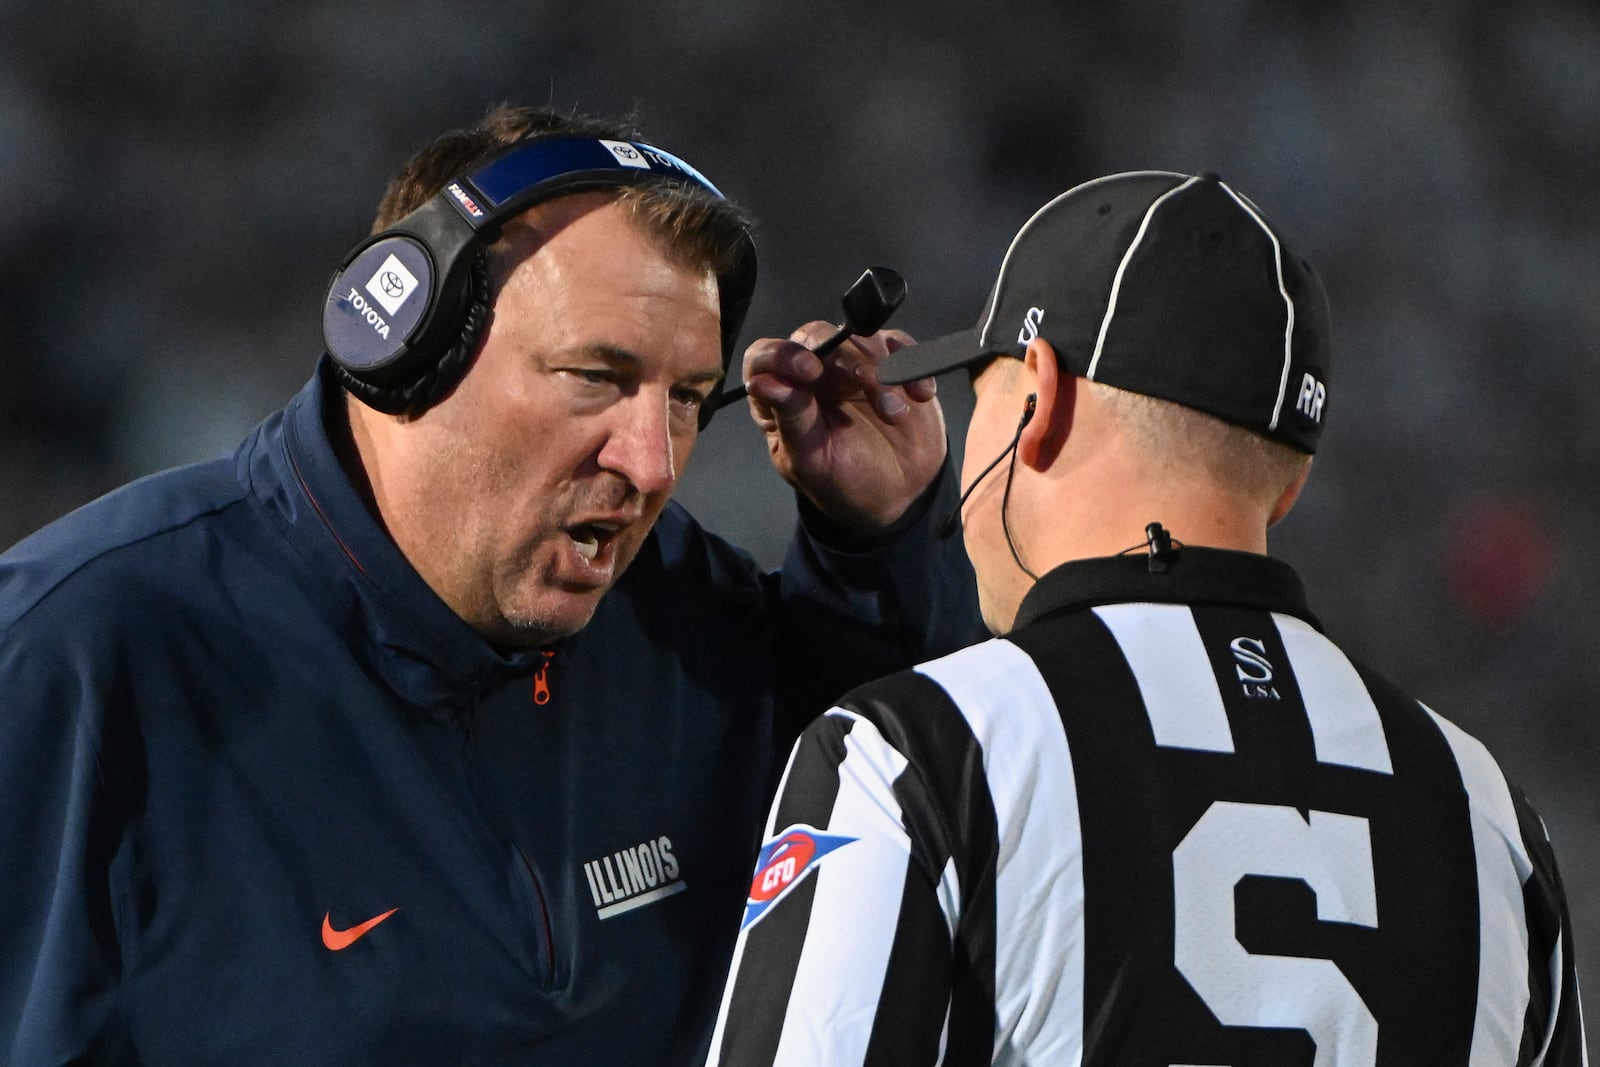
[(1180, 441)]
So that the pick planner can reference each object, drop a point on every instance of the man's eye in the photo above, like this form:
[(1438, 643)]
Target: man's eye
[(590, 375), (689, 397)]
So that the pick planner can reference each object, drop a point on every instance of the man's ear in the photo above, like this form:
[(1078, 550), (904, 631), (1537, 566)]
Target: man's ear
[(1054, 396), (1290, 495)]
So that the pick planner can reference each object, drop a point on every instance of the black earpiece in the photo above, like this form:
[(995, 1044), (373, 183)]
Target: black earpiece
[(405, 310), (948, 524)]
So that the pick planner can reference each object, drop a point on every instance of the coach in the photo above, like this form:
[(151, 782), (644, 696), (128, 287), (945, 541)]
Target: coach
[(425, 730), (1163, 819)]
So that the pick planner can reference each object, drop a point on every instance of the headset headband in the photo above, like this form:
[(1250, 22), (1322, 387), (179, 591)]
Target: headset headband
[(509, 184)]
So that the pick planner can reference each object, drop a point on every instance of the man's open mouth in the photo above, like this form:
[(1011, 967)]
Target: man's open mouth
[(590, 538)]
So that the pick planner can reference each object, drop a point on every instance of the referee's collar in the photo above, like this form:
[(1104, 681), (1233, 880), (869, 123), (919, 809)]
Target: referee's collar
[(1192, 576)]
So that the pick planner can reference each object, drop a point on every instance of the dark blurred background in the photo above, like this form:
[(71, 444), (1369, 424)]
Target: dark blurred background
[(179, 178)]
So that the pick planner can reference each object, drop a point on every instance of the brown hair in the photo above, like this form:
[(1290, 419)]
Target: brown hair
[(693, 228)]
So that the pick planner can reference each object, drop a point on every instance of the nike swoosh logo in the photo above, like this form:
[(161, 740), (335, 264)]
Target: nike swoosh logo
[(338, 940)]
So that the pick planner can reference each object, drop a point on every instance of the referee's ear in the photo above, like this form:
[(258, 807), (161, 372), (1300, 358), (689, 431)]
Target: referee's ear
[(1054, 395), (1290, 495)]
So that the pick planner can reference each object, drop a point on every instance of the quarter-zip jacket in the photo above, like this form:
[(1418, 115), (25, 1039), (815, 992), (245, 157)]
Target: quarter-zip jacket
[(265, 799)]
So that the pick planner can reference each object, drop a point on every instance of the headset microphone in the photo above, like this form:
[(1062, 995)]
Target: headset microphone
[(868, 303), (948, 524)]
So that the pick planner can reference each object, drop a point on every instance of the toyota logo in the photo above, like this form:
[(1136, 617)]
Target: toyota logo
[(626, 151), (392, 285)]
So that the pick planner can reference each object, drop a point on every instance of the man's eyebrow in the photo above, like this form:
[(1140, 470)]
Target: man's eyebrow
[(633, 363), (707, 377)]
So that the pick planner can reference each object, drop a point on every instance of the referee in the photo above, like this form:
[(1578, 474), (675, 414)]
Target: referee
[(1163, 820)]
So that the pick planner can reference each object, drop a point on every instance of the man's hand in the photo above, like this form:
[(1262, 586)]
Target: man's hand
[(860, 451)]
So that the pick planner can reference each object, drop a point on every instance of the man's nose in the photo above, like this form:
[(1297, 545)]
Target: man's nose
[(640, 446)]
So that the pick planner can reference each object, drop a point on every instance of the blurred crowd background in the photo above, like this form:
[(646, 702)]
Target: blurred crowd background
[(178, 180)]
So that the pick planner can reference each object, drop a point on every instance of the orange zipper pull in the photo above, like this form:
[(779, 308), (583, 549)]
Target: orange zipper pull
[(541, 681)]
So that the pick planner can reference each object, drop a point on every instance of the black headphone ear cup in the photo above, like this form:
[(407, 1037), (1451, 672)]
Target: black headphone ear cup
[(422, 390)]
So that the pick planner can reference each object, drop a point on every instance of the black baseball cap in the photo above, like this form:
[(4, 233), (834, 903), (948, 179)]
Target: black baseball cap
[(1170, 285)]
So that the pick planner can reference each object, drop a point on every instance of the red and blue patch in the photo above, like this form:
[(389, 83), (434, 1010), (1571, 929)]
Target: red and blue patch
[(784, 862)]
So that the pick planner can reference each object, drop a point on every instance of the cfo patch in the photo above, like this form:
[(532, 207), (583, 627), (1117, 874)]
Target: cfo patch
[(784, 862)]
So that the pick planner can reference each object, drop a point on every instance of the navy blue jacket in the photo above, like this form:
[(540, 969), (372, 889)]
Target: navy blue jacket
[(236, 727)]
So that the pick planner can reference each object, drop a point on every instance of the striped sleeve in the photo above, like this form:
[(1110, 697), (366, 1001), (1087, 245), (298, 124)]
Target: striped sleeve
[(1553, 1035), (933, 911), (1527, 980), (844, 953)]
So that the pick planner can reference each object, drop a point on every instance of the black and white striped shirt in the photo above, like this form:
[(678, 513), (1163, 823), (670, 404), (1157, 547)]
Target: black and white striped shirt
[(1163, 822)]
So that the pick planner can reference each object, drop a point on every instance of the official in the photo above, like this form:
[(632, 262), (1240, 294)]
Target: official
[(424, 729), (1163, 819)]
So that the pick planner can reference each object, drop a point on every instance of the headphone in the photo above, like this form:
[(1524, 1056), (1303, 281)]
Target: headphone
[(405, 309)]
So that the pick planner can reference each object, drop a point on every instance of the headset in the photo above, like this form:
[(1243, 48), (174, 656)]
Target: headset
[(405, 309)]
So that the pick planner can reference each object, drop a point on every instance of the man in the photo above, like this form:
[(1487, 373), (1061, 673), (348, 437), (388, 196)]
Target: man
[(1163, 820), (425, 729)]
